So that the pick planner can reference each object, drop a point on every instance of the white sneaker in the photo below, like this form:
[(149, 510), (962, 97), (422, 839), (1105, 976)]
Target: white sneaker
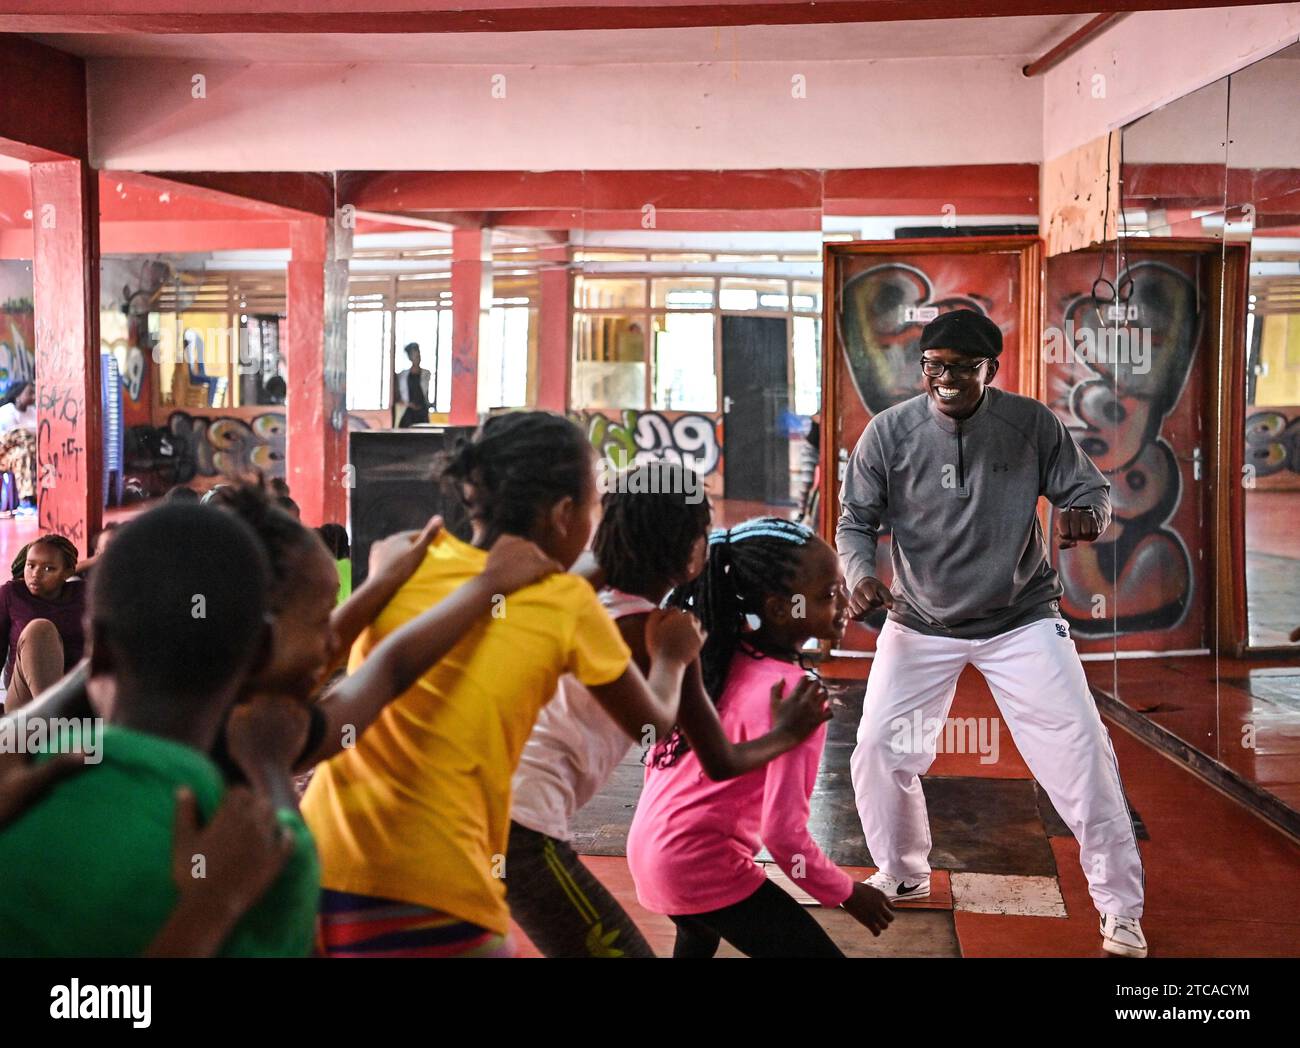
[(900, 890), (1122, 935)]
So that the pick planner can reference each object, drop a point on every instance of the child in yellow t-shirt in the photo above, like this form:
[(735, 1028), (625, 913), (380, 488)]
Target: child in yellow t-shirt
[(411, 823)]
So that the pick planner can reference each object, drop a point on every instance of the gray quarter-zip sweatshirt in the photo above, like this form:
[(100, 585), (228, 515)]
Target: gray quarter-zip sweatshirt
[(961, 499)]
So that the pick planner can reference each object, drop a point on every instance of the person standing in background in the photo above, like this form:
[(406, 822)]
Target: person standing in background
[(18, 443), (412, 390)]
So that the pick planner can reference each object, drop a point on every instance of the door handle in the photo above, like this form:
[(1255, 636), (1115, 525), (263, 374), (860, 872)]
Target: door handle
[(1196, 459), (726, 405)]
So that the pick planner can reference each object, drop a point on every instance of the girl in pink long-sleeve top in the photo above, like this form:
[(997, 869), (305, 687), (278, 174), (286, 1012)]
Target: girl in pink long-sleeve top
[(692, 843)]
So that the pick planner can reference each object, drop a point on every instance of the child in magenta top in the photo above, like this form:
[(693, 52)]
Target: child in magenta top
[(692, 843)]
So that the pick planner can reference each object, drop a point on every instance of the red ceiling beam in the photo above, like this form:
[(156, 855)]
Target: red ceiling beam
[(782, 220), (1071, 44), (55, 129), (971, 188), (143, 238), (388, 16), (396, 192), (770, 190), (776, 200), (274, 194), (408, 191)]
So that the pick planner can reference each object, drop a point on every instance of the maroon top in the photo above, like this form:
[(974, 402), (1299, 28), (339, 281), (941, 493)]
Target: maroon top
[(18, 607)]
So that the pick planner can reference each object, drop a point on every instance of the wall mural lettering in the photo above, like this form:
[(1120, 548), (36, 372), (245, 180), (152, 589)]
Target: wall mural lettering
[(648, 436)]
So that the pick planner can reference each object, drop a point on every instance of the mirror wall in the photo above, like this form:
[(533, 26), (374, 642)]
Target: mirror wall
[(1210, 490)]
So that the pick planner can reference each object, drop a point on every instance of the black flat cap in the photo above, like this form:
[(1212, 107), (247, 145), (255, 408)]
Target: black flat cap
[(965, 331)]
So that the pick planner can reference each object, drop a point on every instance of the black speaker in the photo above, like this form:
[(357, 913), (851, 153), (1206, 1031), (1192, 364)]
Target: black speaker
[(397, 486)]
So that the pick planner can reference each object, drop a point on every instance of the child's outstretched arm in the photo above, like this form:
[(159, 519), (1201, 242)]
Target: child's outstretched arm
[(403, 657), (793, 720), (673, 640), (392, 562)]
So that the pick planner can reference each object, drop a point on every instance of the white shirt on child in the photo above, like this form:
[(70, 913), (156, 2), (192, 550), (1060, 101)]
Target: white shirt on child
[(12, 418), (573, 749)]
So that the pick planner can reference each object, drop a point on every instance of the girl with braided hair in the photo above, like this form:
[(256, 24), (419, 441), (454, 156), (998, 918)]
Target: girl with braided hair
[(768, 586), (412, 822), (41, 611), (652, 537)]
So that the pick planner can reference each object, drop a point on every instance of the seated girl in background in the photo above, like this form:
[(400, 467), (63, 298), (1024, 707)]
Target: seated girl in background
[(652, 537), (692, 843), (412, 822), (41, 614)]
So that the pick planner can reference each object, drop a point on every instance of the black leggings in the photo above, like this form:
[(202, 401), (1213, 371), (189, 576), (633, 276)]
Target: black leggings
[(767, 924)]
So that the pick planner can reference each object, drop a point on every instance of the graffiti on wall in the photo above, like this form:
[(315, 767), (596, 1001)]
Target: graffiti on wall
[(17, 336), (190, 447), (1123, 415), (648, 436), (193, 447), (1273, 442)]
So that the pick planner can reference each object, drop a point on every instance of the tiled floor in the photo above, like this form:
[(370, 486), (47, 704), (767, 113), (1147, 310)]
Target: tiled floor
[(1220, 882)]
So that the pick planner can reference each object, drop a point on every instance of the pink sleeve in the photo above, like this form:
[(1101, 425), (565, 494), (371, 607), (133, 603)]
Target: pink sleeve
[(787, 787)]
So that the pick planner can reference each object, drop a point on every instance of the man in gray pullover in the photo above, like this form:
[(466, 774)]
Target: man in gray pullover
[(956, 474)]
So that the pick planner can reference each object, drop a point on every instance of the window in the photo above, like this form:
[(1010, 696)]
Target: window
[(369, 363), (807, 365), (684, 375), (807, 296), (609, 368), (503, 360), (738, 294), (608, 294), (659, 351), (681, 293)]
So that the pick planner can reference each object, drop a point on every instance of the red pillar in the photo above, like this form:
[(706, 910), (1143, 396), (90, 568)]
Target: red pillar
[(555, 331), (317, 443), (65, 277), (471, 300)]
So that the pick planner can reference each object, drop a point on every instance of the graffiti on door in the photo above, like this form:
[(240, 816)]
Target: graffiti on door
[(1139, 576)]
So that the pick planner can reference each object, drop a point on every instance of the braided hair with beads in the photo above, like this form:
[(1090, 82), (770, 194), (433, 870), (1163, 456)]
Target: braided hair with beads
[(747, 563)]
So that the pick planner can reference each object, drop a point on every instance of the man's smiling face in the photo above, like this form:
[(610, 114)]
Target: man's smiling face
[(956, 393)]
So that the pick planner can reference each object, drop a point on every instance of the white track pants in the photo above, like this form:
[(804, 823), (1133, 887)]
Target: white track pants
[(1038, 683)]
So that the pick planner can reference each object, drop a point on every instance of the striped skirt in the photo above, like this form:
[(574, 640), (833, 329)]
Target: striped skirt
[(366, 926)]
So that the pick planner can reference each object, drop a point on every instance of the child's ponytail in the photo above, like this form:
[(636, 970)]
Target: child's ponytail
[(518, 465), (745, 564)]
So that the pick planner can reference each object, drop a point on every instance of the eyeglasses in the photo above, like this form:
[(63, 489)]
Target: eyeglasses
[(936, 368)]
